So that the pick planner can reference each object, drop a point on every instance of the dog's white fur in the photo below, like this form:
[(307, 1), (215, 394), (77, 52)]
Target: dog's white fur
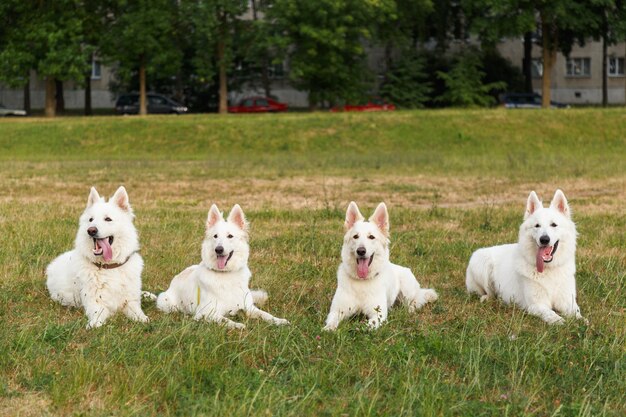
[(510, 272), (381, 283), (212, 291), (75, 279)]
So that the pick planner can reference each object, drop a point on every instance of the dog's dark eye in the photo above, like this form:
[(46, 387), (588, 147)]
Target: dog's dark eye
[(229, 236), (553, 225), (537, 225), (355, 236), (107, 219), (371, 237), (215, 236), (90, 219)]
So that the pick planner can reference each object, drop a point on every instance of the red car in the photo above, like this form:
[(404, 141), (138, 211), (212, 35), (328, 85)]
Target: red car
[(374, 104), (258, 105)]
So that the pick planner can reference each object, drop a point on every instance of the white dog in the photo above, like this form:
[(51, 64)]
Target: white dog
[(537, 273), (218, 286), (367, 282), (103, 272)]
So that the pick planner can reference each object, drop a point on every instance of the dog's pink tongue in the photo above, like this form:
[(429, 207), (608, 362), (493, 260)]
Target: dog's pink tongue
[(221, 262), (362, 268), (107, 252), (543, 251)]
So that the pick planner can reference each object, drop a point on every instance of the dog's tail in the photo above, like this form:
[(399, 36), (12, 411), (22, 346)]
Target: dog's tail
[(259, 297), (147, 295)]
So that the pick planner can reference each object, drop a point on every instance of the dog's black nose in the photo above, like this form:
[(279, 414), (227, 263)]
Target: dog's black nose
[(361, 251), (92, 231), (219, 250), (545, 239)]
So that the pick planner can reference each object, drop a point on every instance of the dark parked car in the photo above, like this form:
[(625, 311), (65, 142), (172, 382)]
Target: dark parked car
[(527, 101), (258, 105), (157, 104)]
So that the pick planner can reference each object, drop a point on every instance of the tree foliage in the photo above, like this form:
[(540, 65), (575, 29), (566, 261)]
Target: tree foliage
[(44, 36), (407, 83), (324, 40), (465, 87)]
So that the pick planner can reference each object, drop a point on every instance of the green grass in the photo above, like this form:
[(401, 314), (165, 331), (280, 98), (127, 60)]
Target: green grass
[(454, 181)]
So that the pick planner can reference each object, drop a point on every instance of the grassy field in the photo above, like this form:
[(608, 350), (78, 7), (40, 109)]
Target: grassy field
[(453, 181)]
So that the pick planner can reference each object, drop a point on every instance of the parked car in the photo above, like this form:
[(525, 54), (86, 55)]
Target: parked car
[(527, 101), (258, 105), (4, 112), (157, 104), (373, 104)]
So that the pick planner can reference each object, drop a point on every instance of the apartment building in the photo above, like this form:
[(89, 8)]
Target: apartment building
[(576, 79)]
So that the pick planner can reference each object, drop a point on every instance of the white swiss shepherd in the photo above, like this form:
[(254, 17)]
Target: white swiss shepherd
[(218, 286), (103, 272), (538, 272), (367, 282)]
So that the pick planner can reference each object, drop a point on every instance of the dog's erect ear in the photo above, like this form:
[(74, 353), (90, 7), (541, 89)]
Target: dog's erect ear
[(381, 218), (532, 205), (353, 215), (559, 202), (93, 198), (237, 217), (215, 215), (120, 198)]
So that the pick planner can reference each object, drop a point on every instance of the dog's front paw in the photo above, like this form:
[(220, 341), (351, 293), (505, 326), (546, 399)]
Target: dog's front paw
[(281, 322), (556, 320), (374, 324), (235, 325), (143, 319), (93, 324), (329, 328)]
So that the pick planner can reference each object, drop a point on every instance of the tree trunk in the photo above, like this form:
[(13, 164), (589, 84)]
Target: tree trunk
[(27, 94), (313, 101), (221, 58), (605, 92), (265, 77), (143, 108), (528, 62), (50, 99), (60, 105), (179, 89), (88, 110), (548, 53)]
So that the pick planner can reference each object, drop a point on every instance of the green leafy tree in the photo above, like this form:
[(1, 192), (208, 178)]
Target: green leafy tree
[(464, 83), (324, 41), (260, 50), (140, 38), (407, 83), (45, 36), (403, 27), (214, 25), (16, 58)]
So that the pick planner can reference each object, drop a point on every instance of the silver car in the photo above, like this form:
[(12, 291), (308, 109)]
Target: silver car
[(4, 112)]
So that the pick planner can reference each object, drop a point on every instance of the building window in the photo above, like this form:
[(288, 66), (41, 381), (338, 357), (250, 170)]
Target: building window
[(536, 67), (615, 66), (96, 69), (578, 67)]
